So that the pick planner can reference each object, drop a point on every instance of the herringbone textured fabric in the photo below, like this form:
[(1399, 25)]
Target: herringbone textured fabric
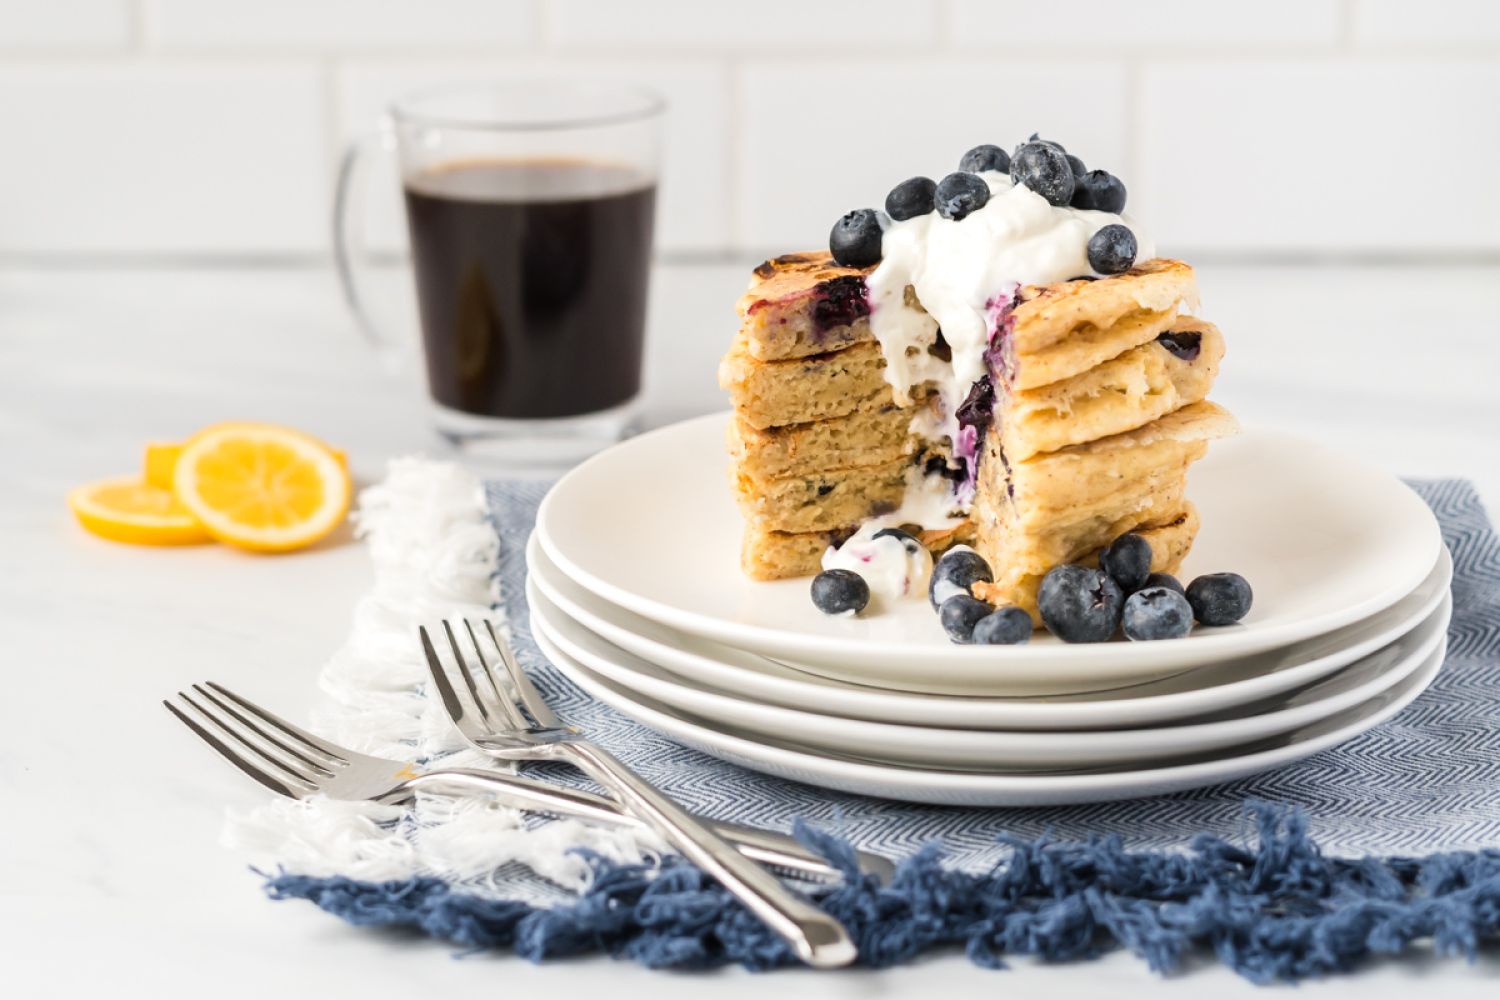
[(1427, 780)]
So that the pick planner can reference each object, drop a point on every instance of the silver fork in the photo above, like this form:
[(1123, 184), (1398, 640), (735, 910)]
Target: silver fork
[(291, 761), (507, 718)]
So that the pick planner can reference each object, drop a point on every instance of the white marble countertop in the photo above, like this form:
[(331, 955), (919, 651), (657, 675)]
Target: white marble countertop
[(111, 880)]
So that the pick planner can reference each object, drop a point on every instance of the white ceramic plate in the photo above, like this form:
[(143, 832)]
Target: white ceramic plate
[(976, 789), (993, 750), (1325, 541), (1195, 692)]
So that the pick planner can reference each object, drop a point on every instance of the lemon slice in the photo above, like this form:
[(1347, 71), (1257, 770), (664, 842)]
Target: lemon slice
[(262, 486), (161, 459), (129, 510)]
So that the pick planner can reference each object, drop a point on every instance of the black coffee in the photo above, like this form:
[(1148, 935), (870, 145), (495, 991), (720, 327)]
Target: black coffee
[(531, 281)]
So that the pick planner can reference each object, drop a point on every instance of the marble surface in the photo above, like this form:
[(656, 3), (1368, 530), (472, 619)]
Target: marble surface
[(111, 880)]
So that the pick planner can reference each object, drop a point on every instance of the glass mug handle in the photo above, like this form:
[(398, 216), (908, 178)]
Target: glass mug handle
[(349, 239)]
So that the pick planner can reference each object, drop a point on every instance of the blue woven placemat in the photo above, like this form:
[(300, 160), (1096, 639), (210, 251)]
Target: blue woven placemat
[(1157, 875)]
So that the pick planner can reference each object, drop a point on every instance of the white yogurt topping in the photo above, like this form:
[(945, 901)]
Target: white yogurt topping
[(888, 566), (965, 275)]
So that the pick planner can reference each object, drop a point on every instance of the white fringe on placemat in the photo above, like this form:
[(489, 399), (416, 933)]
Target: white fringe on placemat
[(435, 556)]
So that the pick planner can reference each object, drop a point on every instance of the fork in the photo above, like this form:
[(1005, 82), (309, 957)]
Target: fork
[(508, 719), (290, 761)]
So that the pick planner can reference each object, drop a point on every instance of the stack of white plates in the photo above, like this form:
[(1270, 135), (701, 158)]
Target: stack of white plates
[(636, 595)]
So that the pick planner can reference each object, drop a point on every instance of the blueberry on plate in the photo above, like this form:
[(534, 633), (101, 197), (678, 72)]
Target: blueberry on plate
[(984, 157), (1156, 613), (911, 198), (1128, 561), (1043, 167), (1080, 604), (855, 238), (840, 592), (959, 614), (908, 541), (956, 572), (1099, 190), (1164, 580), (1007, 626), (1112, 249), (959, 194), (1220, 598)]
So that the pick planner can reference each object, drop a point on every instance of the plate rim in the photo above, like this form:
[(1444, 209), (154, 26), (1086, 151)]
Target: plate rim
[(774, 642), (1134, 743), (1030, 790)]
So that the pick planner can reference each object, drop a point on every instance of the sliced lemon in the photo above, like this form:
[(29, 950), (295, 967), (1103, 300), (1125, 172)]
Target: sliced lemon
[(262, 486), (161, 462), (161, 459), (129, 510)]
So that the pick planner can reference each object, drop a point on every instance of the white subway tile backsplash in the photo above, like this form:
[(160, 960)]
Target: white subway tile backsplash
[(1112, 24), (341, 24), (693, 206), (1400, 22), (812, 146), (765, 25), (128, 159), (42, 25), (1312, 155)]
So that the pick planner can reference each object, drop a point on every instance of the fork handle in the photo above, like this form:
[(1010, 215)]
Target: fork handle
[(765, 846), (817, 938)]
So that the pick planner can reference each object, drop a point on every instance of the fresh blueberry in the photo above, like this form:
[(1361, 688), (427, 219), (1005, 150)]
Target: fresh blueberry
[(1128, 561), (1045, 142), (1100, 190), (1184, 345), (1044, 168), (910, 199), (1157, 613), (1078, 168), (840, 592), (1219, 598), (908, 541), (1080, 604), (955, 573), (984, 158), (855, 239), (959, 194), (1164, 580), (959, 614), (1007, 626), (1112, 249)]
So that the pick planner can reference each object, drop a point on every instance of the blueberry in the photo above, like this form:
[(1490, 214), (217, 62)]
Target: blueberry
[(910, 199), (1100, 190), (1007, 626), (1219, 598), (984, 158), (855, 239), (1128, 561), (957, 571), (959, 194), (908, 541), (1044, 168), (1184, 345), (1157, 613), (1080, 604), (840, 592), (1112, 249), (1045, 142), (959, 614), (1078, 168), (1164, 580)]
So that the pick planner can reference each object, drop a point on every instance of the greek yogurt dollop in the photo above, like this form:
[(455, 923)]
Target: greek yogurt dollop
[(892, 569), (965, 274)]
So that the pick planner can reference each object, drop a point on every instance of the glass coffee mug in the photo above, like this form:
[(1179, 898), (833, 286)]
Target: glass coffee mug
[(530, 209)]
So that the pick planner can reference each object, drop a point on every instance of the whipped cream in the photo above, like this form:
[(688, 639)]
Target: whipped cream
[(890, 568), (965, 275)]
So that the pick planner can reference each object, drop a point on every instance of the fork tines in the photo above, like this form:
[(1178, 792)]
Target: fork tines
[(499, 699), (284, 758)]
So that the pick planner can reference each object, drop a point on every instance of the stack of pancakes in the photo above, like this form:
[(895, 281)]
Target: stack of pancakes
[(1100, 407)]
